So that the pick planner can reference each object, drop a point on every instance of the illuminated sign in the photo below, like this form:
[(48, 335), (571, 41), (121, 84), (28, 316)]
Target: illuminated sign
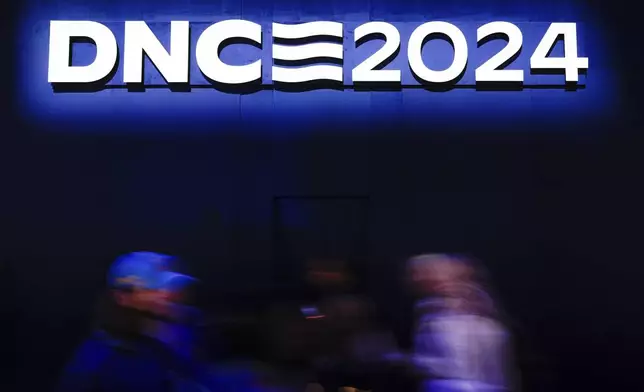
[(173, 64)]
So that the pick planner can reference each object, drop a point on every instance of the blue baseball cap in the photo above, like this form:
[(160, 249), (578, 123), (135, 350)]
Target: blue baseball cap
[(144, 270), (177, 282)]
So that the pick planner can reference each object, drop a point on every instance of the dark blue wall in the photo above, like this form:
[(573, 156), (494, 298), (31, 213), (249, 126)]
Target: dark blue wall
[(552, 205)]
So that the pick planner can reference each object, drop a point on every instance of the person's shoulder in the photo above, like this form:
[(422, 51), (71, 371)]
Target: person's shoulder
[(91, 352), (86, 362)]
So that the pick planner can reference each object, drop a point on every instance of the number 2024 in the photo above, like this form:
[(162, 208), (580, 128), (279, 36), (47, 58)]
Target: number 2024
[(489, 71)]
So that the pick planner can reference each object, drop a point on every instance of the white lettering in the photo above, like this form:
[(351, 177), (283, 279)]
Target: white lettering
[(173, 65), (210, 42), (61, 33)]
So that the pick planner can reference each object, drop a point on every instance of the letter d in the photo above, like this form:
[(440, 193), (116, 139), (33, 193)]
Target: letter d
[(60, 37)]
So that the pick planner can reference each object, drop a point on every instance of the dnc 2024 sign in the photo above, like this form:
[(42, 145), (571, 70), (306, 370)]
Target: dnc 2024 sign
[(321, 42)]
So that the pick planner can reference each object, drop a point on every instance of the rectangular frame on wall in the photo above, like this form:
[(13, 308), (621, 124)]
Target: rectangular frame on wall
[(284, 271)]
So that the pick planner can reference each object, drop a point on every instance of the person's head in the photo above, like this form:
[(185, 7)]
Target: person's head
[(138, 281), (438, 273), (454, 278), (328, 275), (142, 287)]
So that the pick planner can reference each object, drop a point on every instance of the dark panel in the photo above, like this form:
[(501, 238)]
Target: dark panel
[(318, 228)]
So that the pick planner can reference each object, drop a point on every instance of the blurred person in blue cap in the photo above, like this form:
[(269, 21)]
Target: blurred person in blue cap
[(123, 354)]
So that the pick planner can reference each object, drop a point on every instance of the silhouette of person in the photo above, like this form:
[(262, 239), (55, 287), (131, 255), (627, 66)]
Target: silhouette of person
[(121, 355), (459, 342)]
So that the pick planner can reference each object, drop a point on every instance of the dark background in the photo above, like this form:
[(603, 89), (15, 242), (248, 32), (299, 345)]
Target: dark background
[(555, 216)]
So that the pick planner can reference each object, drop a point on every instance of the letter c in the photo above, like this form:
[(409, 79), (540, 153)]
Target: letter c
[(208, 47)]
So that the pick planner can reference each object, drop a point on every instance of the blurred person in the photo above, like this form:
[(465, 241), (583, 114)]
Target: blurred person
[(330, 316), (460, 343), (349, 341), (123, 355)]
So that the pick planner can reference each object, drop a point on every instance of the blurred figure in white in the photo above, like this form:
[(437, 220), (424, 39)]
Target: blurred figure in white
[(460, 344)]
